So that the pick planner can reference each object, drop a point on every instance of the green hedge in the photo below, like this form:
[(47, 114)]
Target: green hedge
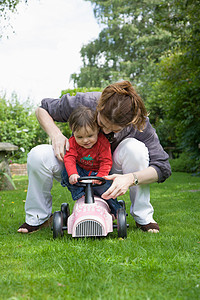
[(185, 164)]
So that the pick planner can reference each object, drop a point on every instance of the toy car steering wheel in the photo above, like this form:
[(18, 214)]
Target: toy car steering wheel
[(83, 181), (86, 182)]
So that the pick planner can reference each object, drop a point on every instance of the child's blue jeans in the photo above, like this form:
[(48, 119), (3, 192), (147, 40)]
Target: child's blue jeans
[(78, 192)]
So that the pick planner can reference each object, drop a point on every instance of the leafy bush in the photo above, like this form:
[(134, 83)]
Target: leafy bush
[(180, 80), (173, 103), (20, 127), (73, 92), (185, 163)]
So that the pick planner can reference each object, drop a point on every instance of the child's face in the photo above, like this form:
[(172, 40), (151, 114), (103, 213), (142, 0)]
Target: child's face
[(86, 137)]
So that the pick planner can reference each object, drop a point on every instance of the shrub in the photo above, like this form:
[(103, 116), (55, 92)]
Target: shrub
[(20, 127), (185, 163)]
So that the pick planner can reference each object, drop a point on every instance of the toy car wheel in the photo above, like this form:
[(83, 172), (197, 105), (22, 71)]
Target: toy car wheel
[(121, 223), (122, 203), (65, 212), (57, 224)]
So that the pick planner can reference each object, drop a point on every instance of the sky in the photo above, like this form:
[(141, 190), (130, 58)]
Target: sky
[(37, 60)]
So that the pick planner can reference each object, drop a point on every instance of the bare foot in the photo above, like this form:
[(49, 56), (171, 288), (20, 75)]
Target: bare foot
[(151, 227), (22, 230), (153, 230), (26, 228)]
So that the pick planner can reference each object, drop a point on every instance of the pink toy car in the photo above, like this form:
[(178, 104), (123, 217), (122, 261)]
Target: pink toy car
[(91, 215)]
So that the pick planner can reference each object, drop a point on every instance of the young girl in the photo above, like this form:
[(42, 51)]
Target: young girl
[(89, 154)]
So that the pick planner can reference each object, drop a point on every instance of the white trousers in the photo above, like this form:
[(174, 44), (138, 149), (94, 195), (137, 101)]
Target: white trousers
[(130, 156)]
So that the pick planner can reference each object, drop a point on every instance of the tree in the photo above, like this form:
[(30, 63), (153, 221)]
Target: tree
[(175, 92), (180, 80), (7, 6), (129, 41), (156, 44)]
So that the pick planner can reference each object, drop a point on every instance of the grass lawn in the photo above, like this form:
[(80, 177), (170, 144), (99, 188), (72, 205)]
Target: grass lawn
[(143, 266)]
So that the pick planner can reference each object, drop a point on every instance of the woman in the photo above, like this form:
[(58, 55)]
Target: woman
[(138, 157)]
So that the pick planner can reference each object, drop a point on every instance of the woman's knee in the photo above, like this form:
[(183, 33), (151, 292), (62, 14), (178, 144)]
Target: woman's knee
[(38, 156), (130, 154)]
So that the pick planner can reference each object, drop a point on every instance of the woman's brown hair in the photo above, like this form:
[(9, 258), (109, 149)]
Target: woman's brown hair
[(121, 105)]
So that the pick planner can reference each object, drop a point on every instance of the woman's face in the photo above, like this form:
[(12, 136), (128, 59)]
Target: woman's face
[(106, 126)]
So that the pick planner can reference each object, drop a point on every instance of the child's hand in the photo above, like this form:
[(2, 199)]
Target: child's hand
[(73, 178)]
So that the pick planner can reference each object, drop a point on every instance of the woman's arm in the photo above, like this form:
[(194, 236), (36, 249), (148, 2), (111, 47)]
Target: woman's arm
[(121, 183), (59, 141)]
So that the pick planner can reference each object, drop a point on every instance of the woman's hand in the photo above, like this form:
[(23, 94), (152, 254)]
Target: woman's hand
[(73, 178), (59, 141), (60, 145), (120, 185)]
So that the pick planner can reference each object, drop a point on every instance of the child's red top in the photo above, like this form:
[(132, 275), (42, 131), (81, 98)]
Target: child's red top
[(98, 158)]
